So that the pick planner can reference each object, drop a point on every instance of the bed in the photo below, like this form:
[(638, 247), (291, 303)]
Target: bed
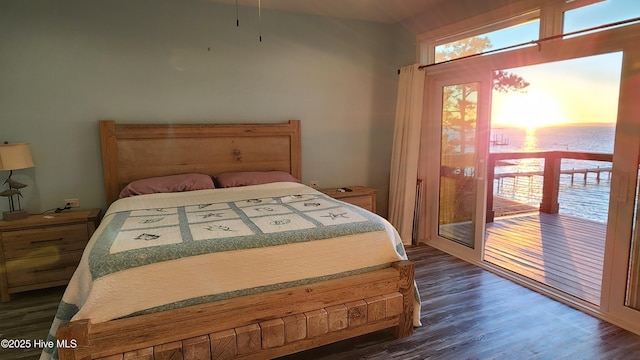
[(256, 271)]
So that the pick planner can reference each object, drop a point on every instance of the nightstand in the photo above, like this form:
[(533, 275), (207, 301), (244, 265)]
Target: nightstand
[(360, 196), (43, 250)]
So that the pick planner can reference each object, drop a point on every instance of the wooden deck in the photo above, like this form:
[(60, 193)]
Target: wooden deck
[(462, 232), (561, 251), (506, 207)]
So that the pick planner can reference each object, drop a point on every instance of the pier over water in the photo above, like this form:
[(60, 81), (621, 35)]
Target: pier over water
[(550, 174), (573, 172)]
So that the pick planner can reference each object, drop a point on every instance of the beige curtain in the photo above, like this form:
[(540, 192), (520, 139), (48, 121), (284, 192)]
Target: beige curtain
[(406, 146)]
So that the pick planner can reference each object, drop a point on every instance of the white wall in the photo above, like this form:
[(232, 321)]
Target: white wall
[(66, 64)]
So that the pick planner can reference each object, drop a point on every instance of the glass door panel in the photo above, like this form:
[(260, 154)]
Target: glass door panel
[(632, 298), (554, 139), (457, 199)]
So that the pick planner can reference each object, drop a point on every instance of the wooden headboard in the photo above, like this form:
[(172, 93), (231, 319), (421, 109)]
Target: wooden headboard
[(136, 151)]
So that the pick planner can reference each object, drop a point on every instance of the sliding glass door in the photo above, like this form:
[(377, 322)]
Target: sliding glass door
[(621, 279), (460, 104), (455, 152)]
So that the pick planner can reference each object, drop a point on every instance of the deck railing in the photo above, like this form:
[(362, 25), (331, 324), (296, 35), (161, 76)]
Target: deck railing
[(551, 174)]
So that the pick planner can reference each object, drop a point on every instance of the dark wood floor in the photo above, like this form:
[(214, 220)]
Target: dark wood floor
[(564, 252), (467, 313)]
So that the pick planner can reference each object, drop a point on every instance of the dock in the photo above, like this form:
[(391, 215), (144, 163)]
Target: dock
[(573, 172), (551, 174), (499, 141)]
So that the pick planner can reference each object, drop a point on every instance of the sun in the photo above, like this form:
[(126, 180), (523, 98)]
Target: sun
[(529, 110)]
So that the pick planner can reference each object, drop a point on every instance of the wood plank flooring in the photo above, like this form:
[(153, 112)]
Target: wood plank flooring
[(467, 313), (561, 251), (28, 316)]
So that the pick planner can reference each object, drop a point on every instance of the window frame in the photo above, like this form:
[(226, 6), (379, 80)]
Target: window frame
[(550, 13)]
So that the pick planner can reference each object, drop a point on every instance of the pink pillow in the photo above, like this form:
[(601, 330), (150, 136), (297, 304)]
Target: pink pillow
[(244, 178), (168, 184)]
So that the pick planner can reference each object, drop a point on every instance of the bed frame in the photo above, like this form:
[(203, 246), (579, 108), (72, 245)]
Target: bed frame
[(259, 326)]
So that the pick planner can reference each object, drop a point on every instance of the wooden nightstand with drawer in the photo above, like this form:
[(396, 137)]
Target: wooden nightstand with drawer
[(43, 250), (359, 195)]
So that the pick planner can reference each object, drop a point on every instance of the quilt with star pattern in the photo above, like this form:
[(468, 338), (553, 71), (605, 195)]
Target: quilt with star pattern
[(163, 251)]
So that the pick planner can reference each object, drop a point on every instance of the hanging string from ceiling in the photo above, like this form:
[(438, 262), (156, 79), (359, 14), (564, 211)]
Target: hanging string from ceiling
[(260, 19)]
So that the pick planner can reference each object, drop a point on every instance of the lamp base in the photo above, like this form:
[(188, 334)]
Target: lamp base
[(15, 215)]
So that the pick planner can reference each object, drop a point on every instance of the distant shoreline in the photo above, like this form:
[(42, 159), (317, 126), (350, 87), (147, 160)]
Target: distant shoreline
[(505, 126)]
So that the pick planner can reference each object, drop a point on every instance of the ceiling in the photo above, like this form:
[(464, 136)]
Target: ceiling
[(383, 11), (418, 16)]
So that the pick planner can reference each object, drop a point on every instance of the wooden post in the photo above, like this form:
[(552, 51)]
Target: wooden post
[(407, 288), (550, 184), (76, 332)]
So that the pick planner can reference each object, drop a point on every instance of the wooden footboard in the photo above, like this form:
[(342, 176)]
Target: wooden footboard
[(260, 326)]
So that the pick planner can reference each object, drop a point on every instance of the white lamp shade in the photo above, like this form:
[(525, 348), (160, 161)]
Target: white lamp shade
[(15, 156)]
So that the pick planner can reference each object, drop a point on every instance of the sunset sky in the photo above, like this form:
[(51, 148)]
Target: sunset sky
[(582, 90), (576, 91)]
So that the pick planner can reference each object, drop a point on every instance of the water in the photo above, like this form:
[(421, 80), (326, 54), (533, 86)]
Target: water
[(590, 199)]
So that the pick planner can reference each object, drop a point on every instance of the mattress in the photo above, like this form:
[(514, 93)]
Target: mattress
[(163, 251)]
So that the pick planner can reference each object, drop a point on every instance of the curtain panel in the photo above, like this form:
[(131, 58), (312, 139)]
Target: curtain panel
[(406, 148)]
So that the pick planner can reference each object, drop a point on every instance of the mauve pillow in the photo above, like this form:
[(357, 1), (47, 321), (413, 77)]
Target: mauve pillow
[(168, 184), (244, 178)]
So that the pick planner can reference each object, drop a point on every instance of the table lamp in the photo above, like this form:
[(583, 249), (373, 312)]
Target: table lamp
[(14, 157)]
